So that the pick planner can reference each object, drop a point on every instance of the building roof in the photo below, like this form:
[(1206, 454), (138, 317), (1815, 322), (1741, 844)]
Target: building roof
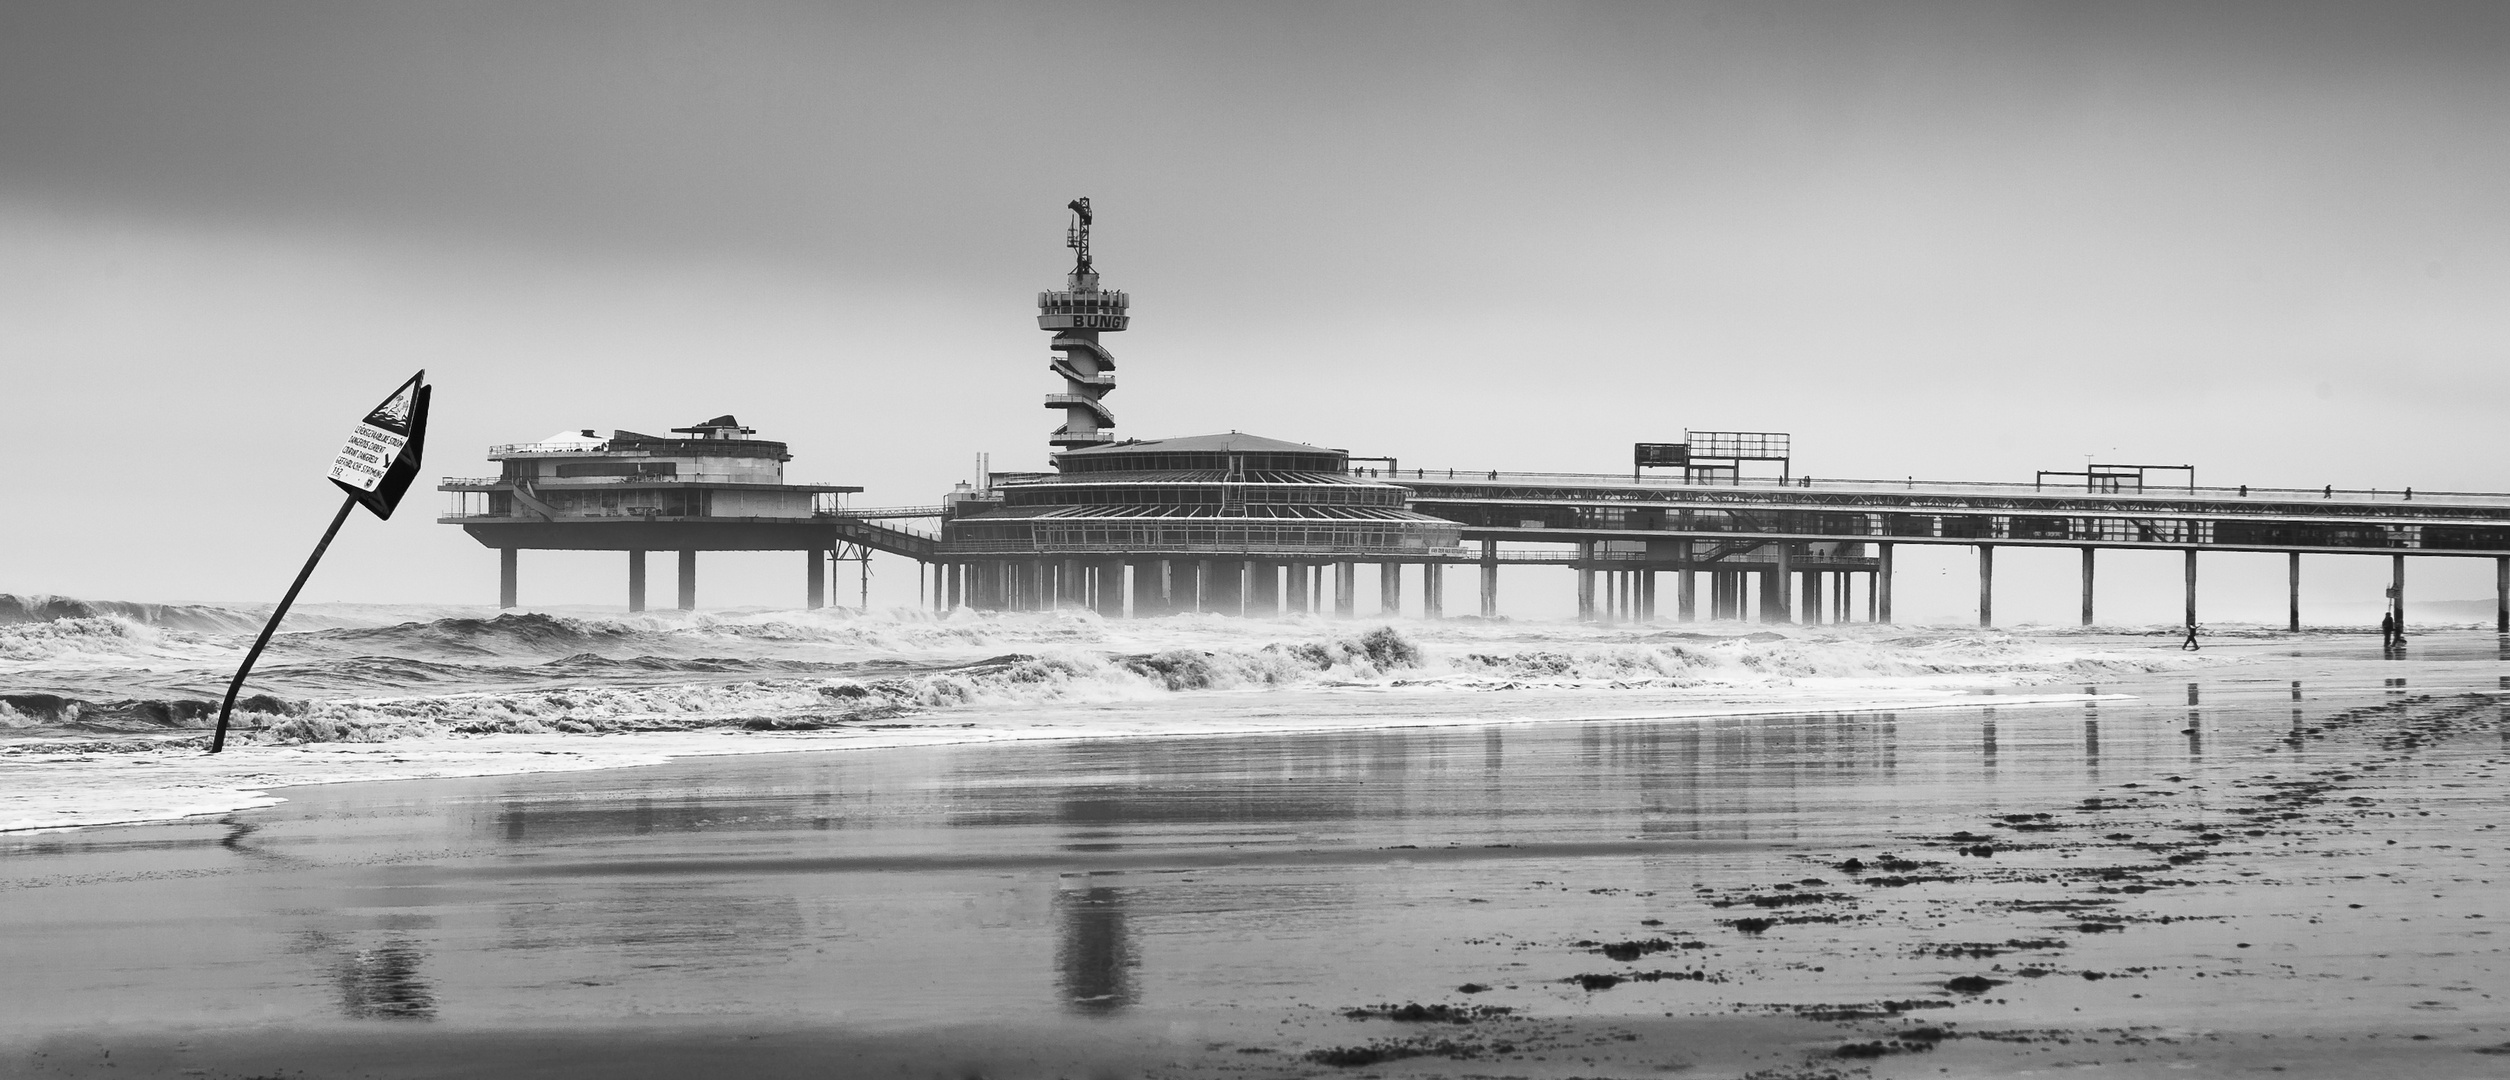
[(1228, 442)]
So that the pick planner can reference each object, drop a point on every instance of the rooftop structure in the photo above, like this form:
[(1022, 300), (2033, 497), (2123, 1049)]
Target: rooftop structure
[(710, 486)]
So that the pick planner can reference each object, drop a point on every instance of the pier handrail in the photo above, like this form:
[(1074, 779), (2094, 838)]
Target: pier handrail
[(2231, 494)]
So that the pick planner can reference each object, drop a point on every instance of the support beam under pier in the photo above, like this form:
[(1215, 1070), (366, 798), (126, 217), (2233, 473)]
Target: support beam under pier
[(1882, 583), (1390, 589), (636, 581), (505, 577), (2293, 568), (815, 579), (688, 581)]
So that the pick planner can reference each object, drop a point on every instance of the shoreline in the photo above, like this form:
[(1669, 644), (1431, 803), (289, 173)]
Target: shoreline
[(501, 754)]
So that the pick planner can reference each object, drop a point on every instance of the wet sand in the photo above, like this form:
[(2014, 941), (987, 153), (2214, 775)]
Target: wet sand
[(2289, 864)]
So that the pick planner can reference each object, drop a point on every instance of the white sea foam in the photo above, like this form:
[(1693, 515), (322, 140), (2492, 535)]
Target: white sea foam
[(86, 739)]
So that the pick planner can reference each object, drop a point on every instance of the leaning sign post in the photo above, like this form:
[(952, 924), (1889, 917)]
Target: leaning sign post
[(375, 469)]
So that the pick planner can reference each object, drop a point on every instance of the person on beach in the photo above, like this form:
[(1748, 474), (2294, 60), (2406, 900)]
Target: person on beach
[(2189, 643), (2388, 631)]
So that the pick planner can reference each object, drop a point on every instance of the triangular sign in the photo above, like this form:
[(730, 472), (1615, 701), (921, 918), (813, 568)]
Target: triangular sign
[(382, 454)]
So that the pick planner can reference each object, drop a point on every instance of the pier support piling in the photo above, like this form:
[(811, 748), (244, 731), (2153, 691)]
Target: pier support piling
[(1647, 596), (636, 581), (1390, 589), (2087, 586), (1987, 585), (1686, 588), (1433, 590), (814, 579), (1586, 581), (2293, 570), (1774, 598), (1346, 589), (2190, 575), (505, 577), (1490, 579), (1812, 597), (1882, 583), (2396, 591), (2501, 593), (688, 580)]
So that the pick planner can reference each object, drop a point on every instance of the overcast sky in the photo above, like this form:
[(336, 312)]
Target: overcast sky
[(1962, 241)]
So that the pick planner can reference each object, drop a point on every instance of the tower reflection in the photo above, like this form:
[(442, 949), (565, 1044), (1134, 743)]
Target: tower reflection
[(1094, 955)]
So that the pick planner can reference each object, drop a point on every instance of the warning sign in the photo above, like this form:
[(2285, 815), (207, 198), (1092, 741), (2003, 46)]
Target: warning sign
[(383, 451), (368, 455)]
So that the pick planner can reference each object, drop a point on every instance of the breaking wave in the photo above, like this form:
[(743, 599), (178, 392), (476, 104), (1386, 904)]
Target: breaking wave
[(587, 692)]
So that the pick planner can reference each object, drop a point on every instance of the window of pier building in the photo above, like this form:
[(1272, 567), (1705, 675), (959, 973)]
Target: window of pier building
[(1176, 461), (1203, 495)]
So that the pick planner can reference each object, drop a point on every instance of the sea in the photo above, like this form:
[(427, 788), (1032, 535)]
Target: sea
[(106, 706)]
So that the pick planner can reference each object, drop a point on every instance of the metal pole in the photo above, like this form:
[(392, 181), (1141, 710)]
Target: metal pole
[(218, 740)]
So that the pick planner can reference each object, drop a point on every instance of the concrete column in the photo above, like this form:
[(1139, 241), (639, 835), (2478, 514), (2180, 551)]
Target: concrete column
[(1686, 588), (1346, 589), (1111, 589), (1647, 596), (2396, 590), (1294, 587), (1812, 597), (505, 577), (815, 579), (1206, 576), (2087, 586), (1490, 579), (2191, 586), (1263, 588), (2292, 569), (2501, 593), (1987, 584), (1039, 596), (1882, 583), (1390, 589), (1433, 590), (688, 580), (1774, 597), (1586, 582), (636, 581)]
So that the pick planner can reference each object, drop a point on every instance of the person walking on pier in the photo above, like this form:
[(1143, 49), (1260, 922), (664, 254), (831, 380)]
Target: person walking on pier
[(2189, 643)]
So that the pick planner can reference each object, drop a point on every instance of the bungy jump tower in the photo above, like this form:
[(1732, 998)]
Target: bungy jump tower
[(1231, 523), (1076, 316)]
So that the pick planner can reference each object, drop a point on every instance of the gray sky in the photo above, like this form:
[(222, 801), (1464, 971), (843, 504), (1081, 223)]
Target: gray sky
[(1959, 241)]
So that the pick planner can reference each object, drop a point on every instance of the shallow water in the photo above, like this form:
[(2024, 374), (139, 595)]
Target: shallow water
[(1224, 900)]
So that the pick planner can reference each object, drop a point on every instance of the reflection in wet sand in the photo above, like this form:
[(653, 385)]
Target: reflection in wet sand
[(1094, 953)]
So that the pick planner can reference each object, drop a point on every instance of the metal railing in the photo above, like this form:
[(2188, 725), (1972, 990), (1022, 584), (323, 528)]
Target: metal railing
[(2232, 494)]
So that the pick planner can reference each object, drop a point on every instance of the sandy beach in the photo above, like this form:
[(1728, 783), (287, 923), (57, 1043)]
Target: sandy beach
[(2288, 861)]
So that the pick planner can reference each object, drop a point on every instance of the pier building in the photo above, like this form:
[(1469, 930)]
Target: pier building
[(706, 487), (1233, 523)]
